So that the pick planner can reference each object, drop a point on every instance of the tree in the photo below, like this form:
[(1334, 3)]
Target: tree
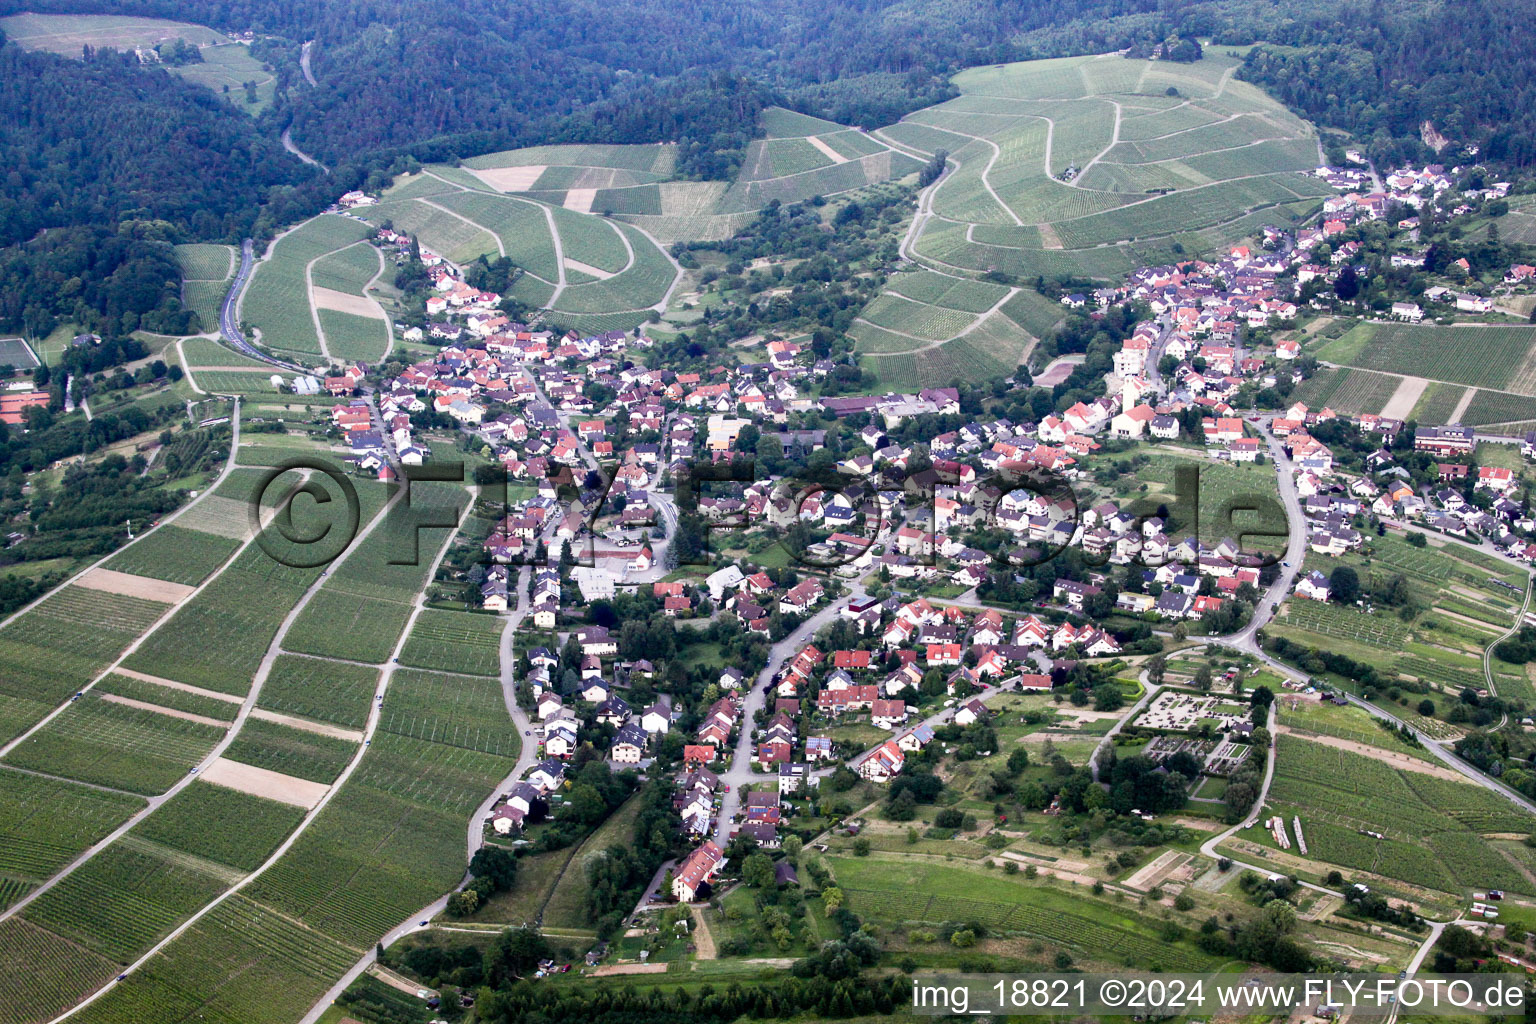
[(832, 899), (792, 846), (1347, 286), (1203, 678), (1344, 584), (1427, 708), (463, 903), (1157, 669), (515, 952), (495, 864), (758, 871)]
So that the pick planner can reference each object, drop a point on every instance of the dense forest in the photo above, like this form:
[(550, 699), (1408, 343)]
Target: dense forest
[(1383, 71), (104, 281), (98, 141)]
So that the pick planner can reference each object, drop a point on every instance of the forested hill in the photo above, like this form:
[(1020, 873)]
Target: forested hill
[(461, 75), (455, 77), (1380, 70), (100, 141)]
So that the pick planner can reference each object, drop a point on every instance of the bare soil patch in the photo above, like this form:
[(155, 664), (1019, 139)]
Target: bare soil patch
[(1407, 395), (308, 725), (1406, 762), (342, 302), (247, 778), (579, 199), (129, 585), (1149, 875), (609, 970), (826, 150), (171, 684), (587, 268), (144, 705), (511, 179)]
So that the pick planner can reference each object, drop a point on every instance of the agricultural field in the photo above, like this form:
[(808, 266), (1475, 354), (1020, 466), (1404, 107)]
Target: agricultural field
[(361, 610), (578, 263), (67, 34), (41, 974), (454, 642), (278, 300), (202, 704), (411, 798), (1322, 719), (1433, 825), (1347, 391), (46, 823), (1497, 356), (896, 889), (107, 743), (175, 554), (297, 752), (1437, 403), (1442, 647), (123, 901), (219, 824), (1499, 412), (59, 645), (1087, 166), (217, 639), (208, 352), (453, 711), (240, 962), (326, 691)]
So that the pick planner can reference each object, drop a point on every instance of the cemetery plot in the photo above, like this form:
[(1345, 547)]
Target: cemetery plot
[(1179, 711)]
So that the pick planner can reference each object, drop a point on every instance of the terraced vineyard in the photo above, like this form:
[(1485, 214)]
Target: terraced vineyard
[(454, 642), (277, 300), (1433, 826), (899, 891), (1120, 159), (1497, 356), (100, 741), (60, 644)]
